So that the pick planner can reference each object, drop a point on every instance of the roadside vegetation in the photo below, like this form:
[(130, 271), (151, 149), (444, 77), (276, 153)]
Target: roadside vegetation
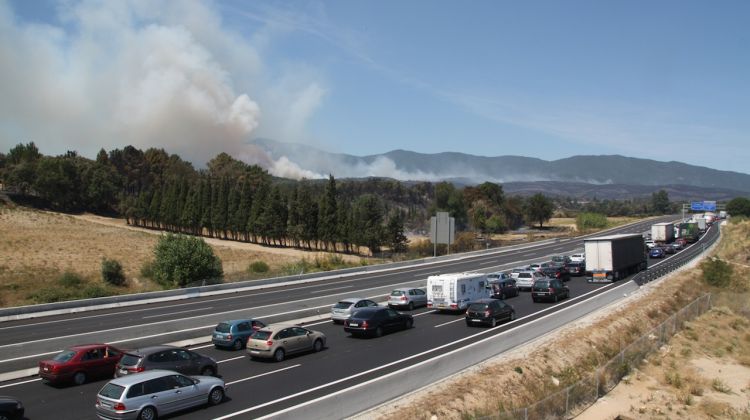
[(702, 373)]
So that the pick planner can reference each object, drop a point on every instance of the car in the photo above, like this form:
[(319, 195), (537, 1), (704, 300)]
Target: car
[(560, 259), (650, 244), (526, 279), (669, 249), (505, 288), (173, 358), (343, 309), (676, 245), (276, 341), (78, 364), (488, 312), (514, 272), (576, 268), (408, 297), (234, 333), (534, 266), (578, 258), (682, 242), (556, 271), (656, 252), (549, 289), (11, 408), (156, 393), (377, 321)]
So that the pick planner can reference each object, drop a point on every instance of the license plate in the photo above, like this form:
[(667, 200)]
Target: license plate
[(124, 371), (354, 325), (600, 274), (476, 320)]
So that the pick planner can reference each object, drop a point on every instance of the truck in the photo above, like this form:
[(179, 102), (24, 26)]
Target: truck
[(689, 231), (614, 257), (453, 292), (662, 233), (701, 221)]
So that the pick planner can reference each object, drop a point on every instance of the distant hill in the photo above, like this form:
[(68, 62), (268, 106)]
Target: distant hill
[(613, 171)]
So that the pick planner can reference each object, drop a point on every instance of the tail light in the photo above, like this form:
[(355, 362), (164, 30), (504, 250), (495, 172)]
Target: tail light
[(403, 298), (365, 324), (429, 304), (269, 343), (137, 369), (119, 406), (486, 314), (229, 336), (454, 306), (557, 274), (551, 290)]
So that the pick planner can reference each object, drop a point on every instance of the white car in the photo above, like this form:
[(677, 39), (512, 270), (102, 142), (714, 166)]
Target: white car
[(650, 244), (344, 308), (526, 279), (578, 258), (514, 272)]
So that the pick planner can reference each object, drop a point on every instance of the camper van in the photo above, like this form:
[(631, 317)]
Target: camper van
[(454, 292)]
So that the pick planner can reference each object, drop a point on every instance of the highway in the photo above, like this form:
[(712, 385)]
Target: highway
[(259, 388)]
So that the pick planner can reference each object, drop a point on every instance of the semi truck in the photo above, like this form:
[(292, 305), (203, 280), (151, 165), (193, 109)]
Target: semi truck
[(454, 292), (689, 231), (662, 233), (614, 257)]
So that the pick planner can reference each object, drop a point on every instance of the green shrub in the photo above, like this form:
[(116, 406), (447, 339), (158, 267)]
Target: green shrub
[(716, 272), (112, 272), (588, 221), (181, 260), (70, 280), (147, 270), (258, 267), (93, 291), (50, 295)]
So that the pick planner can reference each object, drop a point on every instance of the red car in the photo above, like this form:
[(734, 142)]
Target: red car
[(80, 363)]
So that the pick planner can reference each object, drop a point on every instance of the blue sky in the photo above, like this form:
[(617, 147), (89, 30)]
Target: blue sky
[(663, 80)]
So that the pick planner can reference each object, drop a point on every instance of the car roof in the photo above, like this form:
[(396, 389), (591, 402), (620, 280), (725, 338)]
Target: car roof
[(352, 299), (404, 289), (237, 321), (128, 380), (79, 347), (372, 308), (485, 301), (152, 349), (279, 326)]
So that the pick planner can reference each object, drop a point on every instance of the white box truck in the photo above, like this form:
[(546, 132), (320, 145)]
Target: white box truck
[(614, 257), (662, 233), (454, 292)]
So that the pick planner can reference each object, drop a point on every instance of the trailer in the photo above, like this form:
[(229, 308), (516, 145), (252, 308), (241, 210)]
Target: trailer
[(454, 292), (689, 231), (614, 257), (662, 233)]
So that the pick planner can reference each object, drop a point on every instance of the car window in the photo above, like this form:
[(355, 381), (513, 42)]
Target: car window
[(297, 331), (111, 352), (421, 292), (182, 381), (243, 326), (112, 391), (135, 390), (478, 307), (524, 275), (391, 313), (342, 305), (501, 304), (370, 303), (155, 385), (397, 293), (162, 357), (285, 333), (182, 354), (223, 327), (129, 360), (94, 354), (64, 356), (258, 325), (261, 335)]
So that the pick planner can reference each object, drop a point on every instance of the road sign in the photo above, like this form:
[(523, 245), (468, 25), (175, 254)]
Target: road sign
[(703, 205), (442, 228)]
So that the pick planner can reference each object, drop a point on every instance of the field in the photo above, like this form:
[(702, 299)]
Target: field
[(702, 373), (38, 247)]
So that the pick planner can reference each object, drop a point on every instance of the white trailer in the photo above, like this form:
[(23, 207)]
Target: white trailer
[(454, 292), (662, 233), (614, 257)]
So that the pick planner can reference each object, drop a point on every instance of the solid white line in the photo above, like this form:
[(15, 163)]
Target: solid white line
[(488, 262), (201, 347), (327, 321), (449, 322), (175, 313), (20, 383), (229, 360), (262, 374), (425, 313)]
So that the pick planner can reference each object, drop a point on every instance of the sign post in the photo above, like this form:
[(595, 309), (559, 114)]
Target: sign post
[(442, 230)]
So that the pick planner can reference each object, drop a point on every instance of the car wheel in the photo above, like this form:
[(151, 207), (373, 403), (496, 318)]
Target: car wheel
[(513, 315), (317, 345), (208, 371), (278, 355), (379, 332), (554, 298), (216, 396), (148, 413), (79, 378), (237, 345), (409, 323), (411, 306), (502, 296), (493, 323)]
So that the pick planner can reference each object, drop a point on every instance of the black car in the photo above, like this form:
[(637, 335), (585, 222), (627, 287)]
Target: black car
[(549, 289), (576, 268), (488, 312), (11, 408), (555, 271), (376, 321), (505, 288), (174, 358)]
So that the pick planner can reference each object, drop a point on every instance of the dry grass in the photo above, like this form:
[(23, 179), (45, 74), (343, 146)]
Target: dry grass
[(38, 246)]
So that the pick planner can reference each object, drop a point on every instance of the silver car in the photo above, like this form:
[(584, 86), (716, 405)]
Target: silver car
[(526, 279), (407, 297), (156, 393), (343, 309)]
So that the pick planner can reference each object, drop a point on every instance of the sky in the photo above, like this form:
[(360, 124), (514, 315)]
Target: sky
[(666, 80)]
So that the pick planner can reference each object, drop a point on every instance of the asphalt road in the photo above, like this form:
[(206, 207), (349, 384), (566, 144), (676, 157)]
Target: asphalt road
[(258, 388)]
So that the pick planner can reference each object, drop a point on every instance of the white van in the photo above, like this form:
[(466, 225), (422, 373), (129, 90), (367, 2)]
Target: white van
[(454, 292)]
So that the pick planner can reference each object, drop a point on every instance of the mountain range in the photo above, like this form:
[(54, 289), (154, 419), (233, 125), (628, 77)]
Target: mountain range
[(579, 176)]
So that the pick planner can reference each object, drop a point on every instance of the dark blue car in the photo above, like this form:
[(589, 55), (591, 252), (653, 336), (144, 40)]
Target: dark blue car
[(656, 252)]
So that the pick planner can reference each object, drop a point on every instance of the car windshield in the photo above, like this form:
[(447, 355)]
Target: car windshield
[(129, 360), (343, 305), (541, 283), (261, 335), (368, 314), (112, 391), (223, 327), (477, 306), (64, 356), (524, 275), (398, 293)]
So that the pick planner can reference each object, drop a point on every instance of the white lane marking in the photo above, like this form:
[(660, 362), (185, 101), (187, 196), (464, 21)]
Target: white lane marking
[(201, 347), (327, 321), (21, 383), (425, 313), (328, 290), (379, 378), (262, 374), (558, 248), (488, 262), (175, 313), (449, 322), (229, 360), (528, 255)]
